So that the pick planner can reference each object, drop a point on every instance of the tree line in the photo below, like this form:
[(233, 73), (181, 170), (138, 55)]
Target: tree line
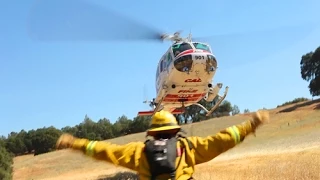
[(6, 160), (43, 140)]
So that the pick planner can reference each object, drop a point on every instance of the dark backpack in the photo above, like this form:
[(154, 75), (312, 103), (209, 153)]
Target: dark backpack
[(161, 155)]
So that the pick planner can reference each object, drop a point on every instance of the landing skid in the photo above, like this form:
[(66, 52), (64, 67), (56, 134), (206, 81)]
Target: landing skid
[(151, 113), (216, 105), (159, 107)]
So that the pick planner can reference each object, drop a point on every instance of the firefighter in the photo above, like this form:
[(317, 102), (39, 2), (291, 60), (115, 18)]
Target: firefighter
[(167, 156)]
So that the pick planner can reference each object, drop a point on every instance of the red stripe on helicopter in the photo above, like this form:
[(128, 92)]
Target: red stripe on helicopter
[(179, 96), (149, 113), (186, 99), (185, 53), (145, 113)]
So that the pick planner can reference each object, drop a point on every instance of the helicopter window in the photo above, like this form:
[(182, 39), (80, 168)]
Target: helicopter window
[(157, 72), (163, 65), (169, 59), (211, 63), (201, 46), (179, 48), (184, 63)]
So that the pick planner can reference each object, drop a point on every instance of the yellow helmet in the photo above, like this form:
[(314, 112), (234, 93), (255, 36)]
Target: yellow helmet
[(162, 121)]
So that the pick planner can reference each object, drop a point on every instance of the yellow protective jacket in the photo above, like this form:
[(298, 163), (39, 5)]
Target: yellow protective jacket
[(131, 155)]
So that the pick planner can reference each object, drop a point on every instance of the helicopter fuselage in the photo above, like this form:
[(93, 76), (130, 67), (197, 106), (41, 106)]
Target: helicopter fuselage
[(184, 76)]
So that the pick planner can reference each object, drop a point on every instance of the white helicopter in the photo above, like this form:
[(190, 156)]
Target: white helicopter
[(184, 73), (184, 76)]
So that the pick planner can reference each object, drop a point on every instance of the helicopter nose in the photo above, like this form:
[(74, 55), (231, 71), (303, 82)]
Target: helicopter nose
[(204, 60), (196, 62), (184, 63)]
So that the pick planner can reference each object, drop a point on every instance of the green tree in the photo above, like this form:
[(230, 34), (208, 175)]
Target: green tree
[(122, 126), (15, 143), (104, 129), (27, 139), (195, 113), (140, 124), (70, 130), (296, 100), (224, 109), (246, 111), (310, 71), (3, 141), (86, 129), (235, 110), (45, 139), (5, 163)]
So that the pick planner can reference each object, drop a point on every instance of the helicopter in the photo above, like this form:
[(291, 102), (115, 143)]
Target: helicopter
[(184, 73), (184, 76)]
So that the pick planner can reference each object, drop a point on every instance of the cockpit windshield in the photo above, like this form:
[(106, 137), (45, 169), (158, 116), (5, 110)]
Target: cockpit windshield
[(179, 48), (201, 46)]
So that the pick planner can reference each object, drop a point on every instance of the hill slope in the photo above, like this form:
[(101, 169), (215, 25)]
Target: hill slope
[(286, 148)]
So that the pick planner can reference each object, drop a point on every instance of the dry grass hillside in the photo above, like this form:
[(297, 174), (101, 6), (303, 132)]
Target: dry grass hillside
[(286, 148)]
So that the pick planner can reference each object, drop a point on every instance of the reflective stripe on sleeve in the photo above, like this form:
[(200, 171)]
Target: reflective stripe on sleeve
[(89, 148), (234, 133)]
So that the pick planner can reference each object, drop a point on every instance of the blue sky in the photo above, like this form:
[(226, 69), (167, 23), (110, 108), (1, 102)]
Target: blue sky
[(58, 83)]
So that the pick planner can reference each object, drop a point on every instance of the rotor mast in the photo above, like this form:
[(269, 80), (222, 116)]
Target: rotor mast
[(176, 38)]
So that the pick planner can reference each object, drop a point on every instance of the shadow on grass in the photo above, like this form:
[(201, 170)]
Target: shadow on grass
[(121, 176), (301, 105)]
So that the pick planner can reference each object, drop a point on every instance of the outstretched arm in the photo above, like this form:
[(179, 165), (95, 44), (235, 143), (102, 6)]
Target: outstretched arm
[(208, 148), (127, 155)]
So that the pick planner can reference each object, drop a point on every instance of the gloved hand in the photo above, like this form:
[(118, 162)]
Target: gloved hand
[(260, 117), (65, 141)]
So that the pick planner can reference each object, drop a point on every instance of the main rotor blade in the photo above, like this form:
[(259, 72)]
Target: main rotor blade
[(76, 20), (260, 44)]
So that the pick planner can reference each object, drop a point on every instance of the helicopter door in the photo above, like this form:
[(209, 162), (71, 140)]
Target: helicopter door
[(161, 72), (168, 59), (163, 65)]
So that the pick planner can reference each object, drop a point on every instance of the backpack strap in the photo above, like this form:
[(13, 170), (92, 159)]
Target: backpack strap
[(188, 141), (189, 144)]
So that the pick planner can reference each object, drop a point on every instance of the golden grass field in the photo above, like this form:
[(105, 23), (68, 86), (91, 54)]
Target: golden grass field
[(288, 147)]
